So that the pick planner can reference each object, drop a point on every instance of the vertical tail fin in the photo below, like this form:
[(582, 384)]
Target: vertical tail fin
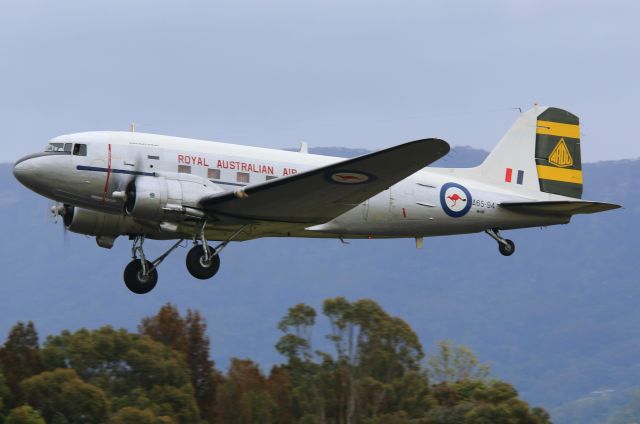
[(540, 152)]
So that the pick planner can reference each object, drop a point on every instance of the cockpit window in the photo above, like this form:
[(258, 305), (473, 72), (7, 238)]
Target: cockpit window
[(68, 148), (80, 149), (55, 147)]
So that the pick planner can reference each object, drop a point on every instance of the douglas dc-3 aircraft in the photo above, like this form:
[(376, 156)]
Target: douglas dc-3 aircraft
[(146, 186)]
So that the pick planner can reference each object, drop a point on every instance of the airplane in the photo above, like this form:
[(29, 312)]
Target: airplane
[(108, 184)]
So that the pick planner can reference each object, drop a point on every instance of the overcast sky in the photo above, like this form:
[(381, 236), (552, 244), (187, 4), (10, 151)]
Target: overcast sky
[(364, 74)]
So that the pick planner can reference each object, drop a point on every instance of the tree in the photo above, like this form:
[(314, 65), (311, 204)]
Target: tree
[(24, 415), (307, 377), (376, 357), (204, 377), (130, 415), (244, 398), (188, 336), (133, 370), (166, 327), (497, 403), (279, 387), (297, 326), (374, 350), (20, 357), (4, 396), (62, 394), (456, 363)]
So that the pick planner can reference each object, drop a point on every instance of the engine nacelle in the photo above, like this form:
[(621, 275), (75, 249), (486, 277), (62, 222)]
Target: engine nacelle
[(92, 223), (160, 198)]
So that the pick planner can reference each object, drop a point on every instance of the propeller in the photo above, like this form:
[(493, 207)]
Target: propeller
[(56, 209), (127, 186), (59, 209)]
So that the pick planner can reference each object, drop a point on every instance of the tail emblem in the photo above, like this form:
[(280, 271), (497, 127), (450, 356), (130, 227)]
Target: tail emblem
[(560, 155)]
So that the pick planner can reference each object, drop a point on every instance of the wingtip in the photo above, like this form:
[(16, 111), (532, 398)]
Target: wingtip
[(442, 146)]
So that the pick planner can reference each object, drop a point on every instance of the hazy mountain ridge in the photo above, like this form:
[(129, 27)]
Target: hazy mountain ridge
[(559, 318), (459, 156)]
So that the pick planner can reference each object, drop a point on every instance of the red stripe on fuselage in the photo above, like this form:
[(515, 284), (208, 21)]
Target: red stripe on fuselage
[(106, 183)]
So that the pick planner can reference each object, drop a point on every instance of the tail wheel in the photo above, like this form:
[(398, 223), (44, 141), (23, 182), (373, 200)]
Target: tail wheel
[(507, 248), (136, 281), (198, 266)]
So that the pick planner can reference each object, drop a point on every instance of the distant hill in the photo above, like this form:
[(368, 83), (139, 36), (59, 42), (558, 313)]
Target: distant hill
[(460, 157), (560, 318)]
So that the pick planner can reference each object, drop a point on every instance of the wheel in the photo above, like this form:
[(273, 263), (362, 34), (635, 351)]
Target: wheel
[(198, 267), (508, 248), (134, 279)]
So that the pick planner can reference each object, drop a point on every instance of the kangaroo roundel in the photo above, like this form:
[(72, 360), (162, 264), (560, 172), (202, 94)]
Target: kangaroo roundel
[(455, 200), (349, 177)]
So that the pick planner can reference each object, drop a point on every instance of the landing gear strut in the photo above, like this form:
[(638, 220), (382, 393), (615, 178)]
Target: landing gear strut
[(141, 275), (203, 261), (505, 246)]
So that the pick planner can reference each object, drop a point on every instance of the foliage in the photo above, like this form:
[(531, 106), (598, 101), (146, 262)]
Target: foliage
[(372, 373), (131, 415), (20, 357), (24, 415), (4, 396), (188, 336), (245, 397), (132, 370), (456, 363), (62, 394)]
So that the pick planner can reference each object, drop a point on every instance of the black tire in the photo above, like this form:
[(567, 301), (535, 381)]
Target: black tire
[(508, 249), (135, 281), (197, 266)]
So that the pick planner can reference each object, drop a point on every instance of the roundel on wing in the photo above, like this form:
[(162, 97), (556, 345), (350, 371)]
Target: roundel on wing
[(455, 200), (349, 177)]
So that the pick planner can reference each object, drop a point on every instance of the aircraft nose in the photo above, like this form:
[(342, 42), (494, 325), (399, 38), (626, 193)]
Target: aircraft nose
[(23, 171)]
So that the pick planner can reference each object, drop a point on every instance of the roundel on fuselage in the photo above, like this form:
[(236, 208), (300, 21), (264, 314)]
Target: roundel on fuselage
[(455, 200)]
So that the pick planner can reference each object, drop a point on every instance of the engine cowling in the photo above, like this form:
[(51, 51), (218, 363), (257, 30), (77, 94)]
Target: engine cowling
[(160, 198), (92, 223)]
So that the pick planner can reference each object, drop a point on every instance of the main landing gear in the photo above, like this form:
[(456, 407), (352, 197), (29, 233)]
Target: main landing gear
[(505, 246), (203, 261), (141, 275)]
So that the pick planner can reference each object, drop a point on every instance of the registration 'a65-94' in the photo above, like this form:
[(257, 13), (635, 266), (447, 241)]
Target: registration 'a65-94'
[(480, 203)]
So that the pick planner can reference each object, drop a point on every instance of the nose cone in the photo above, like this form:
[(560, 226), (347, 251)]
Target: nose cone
[(24, 172)]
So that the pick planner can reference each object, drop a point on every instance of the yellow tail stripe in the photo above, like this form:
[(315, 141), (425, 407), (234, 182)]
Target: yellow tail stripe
[(559, 174), (558, 129)]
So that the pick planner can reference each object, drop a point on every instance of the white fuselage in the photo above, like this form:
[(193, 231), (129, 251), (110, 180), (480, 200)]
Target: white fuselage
[(414, 207)]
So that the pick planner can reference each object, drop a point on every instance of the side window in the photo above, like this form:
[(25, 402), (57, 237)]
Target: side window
[(67, 147), (271, 177), (242, 177), (79, 150), (184, 169), (213, 174)]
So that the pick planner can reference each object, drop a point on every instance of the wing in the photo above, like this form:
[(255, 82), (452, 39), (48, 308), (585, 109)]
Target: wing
[(321, 194), (562, 207)]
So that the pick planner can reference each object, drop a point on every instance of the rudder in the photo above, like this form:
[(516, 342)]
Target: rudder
[(558, 161)]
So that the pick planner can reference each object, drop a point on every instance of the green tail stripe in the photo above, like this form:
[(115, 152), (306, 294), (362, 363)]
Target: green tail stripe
[(561, 116)]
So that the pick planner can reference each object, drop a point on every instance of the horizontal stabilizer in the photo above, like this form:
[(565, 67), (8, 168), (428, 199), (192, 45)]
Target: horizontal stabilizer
[(321, 194), (559, 207)]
